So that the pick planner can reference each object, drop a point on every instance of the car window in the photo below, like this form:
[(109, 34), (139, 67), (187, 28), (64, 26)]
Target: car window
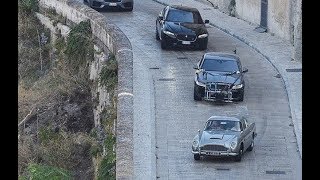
[(233, 126), (178, 15), (220, 65), (223, 125)]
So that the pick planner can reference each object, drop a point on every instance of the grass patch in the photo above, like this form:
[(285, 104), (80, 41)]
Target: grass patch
[(107, 166), (40, 172)]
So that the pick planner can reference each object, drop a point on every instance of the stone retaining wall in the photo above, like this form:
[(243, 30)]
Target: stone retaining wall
[(114, 39)]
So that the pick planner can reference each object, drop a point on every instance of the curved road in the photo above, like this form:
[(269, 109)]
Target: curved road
[(166, 117)]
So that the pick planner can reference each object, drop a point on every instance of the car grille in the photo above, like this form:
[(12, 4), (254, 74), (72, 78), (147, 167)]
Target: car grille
[(218, 87), (214, 148), (184, 37), (112, 0)]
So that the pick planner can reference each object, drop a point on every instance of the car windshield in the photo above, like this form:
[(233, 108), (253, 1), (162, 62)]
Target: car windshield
[(220, 65), (222, 125), (178, 15)]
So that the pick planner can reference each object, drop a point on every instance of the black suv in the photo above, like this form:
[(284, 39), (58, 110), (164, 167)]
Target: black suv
[(181, 26), (219, 77)]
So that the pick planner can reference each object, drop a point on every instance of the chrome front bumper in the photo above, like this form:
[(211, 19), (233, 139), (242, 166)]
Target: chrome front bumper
[(215, 153)]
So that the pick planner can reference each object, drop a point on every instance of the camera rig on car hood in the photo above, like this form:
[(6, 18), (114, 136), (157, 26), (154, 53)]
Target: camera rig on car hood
[(219, 90)]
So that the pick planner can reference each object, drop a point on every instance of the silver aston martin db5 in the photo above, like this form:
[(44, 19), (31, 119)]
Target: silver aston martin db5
[(224, 136)]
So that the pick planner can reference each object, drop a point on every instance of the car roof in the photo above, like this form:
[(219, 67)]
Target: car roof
[(230, 118), (185, 8), (221, 55)]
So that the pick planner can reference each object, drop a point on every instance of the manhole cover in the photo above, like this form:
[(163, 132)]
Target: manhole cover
[(294, 70), (222, 169), (167, 79), (182, 57), (275, 172)]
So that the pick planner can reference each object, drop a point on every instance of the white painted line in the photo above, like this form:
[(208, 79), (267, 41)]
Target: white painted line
[(125, 94), (123, 50)]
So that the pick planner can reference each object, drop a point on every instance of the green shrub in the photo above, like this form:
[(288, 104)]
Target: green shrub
[(95, 150), (28, 6), (79, 47), (106, 169), (108, 76), (40, 172)]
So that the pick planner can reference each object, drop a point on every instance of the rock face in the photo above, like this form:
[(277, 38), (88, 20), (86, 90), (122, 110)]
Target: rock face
[(73, 114)]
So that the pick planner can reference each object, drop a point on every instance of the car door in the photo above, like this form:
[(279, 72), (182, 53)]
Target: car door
[(244, 134), (248, 132), (251, 129)]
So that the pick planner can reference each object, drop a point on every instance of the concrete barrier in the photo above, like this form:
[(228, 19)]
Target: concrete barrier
[(114, 39)]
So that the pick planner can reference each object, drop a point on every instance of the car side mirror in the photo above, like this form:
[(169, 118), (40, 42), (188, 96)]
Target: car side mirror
[(206, 21), (245, 70)]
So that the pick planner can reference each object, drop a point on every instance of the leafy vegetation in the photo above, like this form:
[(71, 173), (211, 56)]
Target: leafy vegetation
[(107, 166), (28, 6), (79, 47), (40, 172), (109, 74), (49, 152)]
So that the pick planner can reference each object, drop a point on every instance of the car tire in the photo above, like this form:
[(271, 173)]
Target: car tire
[(130, 9), (203, 46), (157, 34), (239, 156), (196, 97), (241, 97), (163, 44), (250, 148), (196, 157)]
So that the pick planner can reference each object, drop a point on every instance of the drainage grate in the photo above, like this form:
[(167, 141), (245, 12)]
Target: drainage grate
[(223, 169), (154, 68), (294, 70), (182, 57), (275, 172), (166, 79)]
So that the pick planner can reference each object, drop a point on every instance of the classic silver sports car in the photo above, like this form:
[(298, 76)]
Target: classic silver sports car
[(224, 136)]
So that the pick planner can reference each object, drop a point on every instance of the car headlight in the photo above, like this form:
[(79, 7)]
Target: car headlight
[(233, 144), (195, 143), (203, 36), (200, 84), (171, 34), (237, 86)]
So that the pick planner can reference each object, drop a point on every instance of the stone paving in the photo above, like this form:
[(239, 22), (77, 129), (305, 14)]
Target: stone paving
[(273, 48)]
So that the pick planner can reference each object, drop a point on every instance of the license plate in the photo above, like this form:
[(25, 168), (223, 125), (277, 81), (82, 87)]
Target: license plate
[(112, 4), (185, 42), (213, 153)]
